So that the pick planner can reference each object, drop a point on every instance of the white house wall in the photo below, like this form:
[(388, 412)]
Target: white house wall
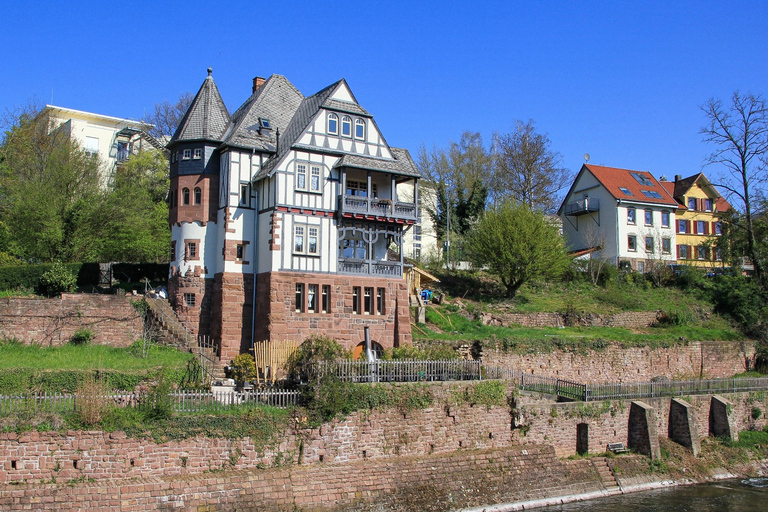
[(585, 231), (640, 230), (207, 236)]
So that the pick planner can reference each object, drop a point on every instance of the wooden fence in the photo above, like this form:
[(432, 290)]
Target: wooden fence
[(270, 359)]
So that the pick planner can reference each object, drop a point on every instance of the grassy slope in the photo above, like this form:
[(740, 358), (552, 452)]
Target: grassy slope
[(80, 357)]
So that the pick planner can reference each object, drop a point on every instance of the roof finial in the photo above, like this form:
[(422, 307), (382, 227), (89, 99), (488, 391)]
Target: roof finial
[(210, 71)]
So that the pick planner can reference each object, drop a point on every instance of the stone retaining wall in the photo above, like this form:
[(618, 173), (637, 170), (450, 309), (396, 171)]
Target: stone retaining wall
[(34, 320)]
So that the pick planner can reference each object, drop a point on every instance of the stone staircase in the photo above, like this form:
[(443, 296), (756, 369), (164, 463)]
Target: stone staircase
[(168, 330), (603, 468)]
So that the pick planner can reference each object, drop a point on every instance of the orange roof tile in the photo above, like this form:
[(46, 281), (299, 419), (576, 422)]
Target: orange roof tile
[(641, 185)]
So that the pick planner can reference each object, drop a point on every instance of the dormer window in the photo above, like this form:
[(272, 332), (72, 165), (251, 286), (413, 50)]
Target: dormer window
[(346, 126), (264, 124), (333, 124), (187, 154), (359, 129), (198, 154)]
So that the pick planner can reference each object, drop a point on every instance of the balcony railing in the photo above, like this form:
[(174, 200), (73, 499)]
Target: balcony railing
[(370, 267), (377, 207), (582, 207)]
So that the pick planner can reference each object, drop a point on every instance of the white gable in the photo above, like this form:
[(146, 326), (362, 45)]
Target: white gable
[(343, 93)]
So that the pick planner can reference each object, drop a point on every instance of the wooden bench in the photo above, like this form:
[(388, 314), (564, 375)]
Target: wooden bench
[(617, 448)]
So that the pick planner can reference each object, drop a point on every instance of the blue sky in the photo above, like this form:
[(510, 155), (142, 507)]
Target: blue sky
[(622, 81)]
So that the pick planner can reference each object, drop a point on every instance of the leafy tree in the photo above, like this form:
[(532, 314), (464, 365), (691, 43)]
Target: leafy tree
[(739, 132), (48, 185), (526, 170), (166, 116), (517, 245), (458, 178)]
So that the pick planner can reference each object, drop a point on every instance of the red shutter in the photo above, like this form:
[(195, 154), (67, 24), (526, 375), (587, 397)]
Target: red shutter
[(678, 251), (695, 232), (713, 229), (688, 226), (706, 228), (677, 227)]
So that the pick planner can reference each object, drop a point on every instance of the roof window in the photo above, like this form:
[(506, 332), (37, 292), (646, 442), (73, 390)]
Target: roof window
[(625, 190), (264, 124), (642, 179), (651, 193)]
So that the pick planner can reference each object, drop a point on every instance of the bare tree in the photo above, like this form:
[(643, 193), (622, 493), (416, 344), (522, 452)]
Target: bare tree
[(739, 132), (526, 169), (166, 116)]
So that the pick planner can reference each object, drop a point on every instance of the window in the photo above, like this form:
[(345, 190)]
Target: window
[(240, 252), (651, 193), (191, 250), (665, 219), (354, 248), (301, 176), (632, 243), (707, 205), (314, 181), (346, 126), (92, 146), (189, 300), (702, 227), (368, 301), (649, 244), (718, 228), (244, 194), (356, 291), (299, 306), (380, 301), (333, 124), (359, 188), (666, 245), (359, 129), (173, 250), (198, 154), (642, 179), (325, 302), (198, 195), (702, 252), (185, 196), (305, 240), (312, 298), (630, 215), (682, 226), (691, 203), (649, 217), (641, 267), (682, 252), (187, 154), (264, 124), (718, 256), (626, 191)]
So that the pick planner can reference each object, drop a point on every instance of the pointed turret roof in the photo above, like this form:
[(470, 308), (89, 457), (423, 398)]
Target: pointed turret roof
[(207, 117)]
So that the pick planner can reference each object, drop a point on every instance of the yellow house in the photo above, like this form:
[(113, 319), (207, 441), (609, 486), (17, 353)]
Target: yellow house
[(697, 220)]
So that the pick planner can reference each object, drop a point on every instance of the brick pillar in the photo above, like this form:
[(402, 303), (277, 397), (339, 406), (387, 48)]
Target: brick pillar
[(721, 418), (643, 436), (402, 334), (682, 425)]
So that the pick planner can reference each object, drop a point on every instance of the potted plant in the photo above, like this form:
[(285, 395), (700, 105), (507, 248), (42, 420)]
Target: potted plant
[(243, 370)]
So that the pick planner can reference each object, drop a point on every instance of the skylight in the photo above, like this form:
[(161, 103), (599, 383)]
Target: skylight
[(642, 179), (651, 193), (264, 124), (625, 190)]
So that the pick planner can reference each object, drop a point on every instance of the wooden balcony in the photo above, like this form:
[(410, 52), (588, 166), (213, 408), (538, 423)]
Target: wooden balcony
[(582, 207), (377, 209), (370, 268)]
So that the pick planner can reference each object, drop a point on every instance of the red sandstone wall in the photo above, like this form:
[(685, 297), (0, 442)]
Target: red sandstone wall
[(53, 321), (615, 364)]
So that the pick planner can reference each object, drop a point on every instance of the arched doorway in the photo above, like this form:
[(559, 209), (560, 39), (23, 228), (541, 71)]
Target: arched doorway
[(359, 351)]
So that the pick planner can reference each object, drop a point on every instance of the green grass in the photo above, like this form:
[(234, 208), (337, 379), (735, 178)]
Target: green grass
[(85, 357)]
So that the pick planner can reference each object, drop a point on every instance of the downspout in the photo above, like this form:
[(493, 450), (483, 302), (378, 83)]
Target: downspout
[(618, 238), (255, 261)]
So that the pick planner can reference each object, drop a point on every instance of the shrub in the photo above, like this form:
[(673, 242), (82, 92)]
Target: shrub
[(316, 349), (56, 280), (243, 368), (157, 403), (93, 401), (81, 337)]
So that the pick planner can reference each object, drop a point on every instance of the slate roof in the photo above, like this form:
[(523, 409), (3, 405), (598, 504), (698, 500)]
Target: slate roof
[(613, 179), (402, 164), (679, 188), (276, 100), (206, 118)]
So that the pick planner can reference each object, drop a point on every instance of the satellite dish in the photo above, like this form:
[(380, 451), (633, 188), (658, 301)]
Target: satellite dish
[(586, 157)]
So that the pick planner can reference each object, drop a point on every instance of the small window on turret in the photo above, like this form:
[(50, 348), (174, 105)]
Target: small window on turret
[(198, 154), (187, 154)]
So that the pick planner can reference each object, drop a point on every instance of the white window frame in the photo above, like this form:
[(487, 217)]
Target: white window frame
[(305, 233), (346, 122), (198, 154), (315, 178), (359, 125), (187, 154), (333, 118)]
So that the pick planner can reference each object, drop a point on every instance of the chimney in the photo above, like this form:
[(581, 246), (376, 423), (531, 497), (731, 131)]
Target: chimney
[(678, 177), (257, 82)]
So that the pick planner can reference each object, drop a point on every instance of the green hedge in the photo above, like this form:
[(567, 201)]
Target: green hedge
[(27, 277), (26, 380)]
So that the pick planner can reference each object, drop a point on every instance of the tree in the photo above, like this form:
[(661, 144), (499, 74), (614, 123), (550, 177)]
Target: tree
[(457, 178), (526, 170), (739, 132), (48, 185), (166, 116), (517, 244)]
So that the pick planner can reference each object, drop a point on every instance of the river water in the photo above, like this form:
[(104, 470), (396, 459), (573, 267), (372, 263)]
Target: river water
[(726, 496)]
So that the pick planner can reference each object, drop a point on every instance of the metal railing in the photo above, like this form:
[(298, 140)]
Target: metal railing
[(371, 267), (632, 390), (582, 206), (402, 371), (378, 207)]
